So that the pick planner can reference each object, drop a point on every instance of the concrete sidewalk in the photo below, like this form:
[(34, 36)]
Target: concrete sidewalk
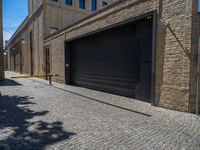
[(34, 115)]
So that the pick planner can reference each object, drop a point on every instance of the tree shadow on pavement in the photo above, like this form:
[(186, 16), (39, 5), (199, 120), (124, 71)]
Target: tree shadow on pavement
[(18, 133), (9, 82)]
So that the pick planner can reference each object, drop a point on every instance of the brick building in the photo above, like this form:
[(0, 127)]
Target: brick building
[(1, 45), (144, 49)]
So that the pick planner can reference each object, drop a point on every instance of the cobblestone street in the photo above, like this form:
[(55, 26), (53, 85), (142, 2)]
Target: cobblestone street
[(34, 115)]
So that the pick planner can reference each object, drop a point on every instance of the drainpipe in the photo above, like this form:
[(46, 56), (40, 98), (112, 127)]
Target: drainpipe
[(198, 81)]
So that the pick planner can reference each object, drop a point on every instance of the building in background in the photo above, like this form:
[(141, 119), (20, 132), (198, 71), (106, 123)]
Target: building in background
[(26, 54), (143, 49), (1, 45)]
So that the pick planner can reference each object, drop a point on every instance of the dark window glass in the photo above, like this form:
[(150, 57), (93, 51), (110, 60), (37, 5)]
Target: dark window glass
[(199, 6), (55, 0), (68, 2), (94, 5), (82, 4), (104, 3)]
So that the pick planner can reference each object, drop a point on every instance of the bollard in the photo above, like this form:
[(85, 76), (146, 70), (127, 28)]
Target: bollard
[(50, 78)]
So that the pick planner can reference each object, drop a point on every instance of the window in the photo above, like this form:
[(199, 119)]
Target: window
[(199, 6), (82, 4), (68, 2), (94, 5), (104, 3), (55, 0)]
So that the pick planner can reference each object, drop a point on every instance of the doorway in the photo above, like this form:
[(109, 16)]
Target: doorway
[(47, 61), (121, 65), (31, 53)]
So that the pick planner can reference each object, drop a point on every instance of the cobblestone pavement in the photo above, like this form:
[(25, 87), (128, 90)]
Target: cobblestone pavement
[(34, 115)]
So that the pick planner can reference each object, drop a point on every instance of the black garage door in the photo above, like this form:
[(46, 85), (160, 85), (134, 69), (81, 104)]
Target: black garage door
[(117, 60)]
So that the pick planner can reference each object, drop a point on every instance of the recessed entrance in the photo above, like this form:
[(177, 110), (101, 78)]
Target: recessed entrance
[(117, 60)]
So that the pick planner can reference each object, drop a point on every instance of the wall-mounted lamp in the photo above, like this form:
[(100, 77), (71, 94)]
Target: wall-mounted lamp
[(23, 41), (4, 53)]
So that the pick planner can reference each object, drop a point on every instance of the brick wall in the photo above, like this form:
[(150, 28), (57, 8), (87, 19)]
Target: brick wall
[(36, 27), (174, 46), (57, 62), (61, 15)]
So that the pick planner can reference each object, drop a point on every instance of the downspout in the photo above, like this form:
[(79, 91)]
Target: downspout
[(198, 73)]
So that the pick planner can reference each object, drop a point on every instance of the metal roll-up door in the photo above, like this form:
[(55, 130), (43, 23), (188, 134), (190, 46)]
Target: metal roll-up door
[(108, 61)]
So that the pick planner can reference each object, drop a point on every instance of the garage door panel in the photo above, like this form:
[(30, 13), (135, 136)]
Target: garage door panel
[(103, 77), (114, 90), (105, 81)]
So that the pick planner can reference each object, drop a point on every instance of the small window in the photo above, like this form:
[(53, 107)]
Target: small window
[(68, 2), (55, 0), (104, 3), (94, 5), (82, 4)]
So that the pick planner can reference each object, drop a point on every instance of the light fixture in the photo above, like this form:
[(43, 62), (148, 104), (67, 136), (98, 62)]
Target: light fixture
[(23, 41), (149, 17)]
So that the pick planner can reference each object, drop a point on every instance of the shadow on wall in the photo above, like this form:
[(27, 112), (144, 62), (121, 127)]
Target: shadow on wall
[(20, 134)]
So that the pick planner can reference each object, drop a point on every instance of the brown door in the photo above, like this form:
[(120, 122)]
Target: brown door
[(47, 62), (31, 53), (14, 60), (20, 54)]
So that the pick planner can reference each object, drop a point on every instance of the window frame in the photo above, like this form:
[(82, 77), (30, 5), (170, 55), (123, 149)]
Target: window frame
[(82, 4), (94, 5)]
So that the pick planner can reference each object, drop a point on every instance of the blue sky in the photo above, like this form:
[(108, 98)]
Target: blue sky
[(14, 12)]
